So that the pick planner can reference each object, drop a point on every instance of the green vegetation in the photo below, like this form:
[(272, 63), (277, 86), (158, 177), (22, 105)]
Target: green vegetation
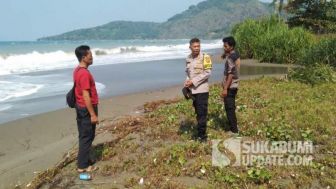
[(158, 150), (159, 147), (278, 6), (316, 16), (114, 30), (208, 19), (212, 18), (271, 40), (314, 74), (323, 52)]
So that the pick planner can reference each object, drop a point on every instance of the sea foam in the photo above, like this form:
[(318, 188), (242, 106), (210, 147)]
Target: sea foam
[(37, 61)]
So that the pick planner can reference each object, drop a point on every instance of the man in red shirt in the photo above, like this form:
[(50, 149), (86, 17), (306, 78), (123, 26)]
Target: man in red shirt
[(86, 107)]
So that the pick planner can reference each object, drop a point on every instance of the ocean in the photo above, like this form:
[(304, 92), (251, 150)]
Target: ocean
[(35, 76)]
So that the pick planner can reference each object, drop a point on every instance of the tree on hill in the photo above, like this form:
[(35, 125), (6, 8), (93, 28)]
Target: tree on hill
[(318, 16), (209, 19), (278, 6)]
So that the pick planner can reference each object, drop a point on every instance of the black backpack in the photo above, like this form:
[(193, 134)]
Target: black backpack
[(71, 96)]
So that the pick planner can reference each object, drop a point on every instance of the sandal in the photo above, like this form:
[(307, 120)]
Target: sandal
[(85, 176)]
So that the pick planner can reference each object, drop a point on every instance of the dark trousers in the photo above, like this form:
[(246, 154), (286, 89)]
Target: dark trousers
[(230, 108), (200, 104), (86, 135)]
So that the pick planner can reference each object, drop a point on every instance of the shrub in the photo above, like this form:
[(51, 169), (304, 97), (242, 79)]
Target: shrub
[(313, 74), (324, 52), (271, 40)]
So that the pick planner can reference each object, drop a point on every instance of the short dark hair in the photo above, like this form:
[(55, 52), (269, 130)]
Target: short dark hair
[(194, 40), (230, 40), (81, 51)]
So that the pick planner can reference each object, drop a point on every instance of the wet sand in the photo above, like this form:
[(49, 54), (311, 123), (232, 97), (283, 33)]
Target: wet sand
[(33, 144)]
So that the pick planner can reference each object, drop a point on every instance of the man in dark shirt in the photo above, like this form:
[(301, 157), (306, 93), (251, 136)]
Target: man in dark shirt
[(231, 81), (86, 107)]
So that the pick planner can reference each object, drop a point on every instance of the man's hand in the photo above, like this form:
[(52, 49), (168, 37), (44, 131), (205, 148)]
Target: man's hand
[(94, 120), (227, 85), (188, 83), (89, 106), (224, 93)]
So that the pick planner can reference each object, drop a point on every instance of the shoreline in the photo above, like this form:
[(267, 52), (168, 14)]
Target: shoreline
[(135, 78), (25, 150), (33, 144)]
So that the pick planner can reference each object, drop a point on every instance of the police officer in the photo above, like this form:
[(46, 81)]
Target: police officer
[(231, 82), (198, 71)]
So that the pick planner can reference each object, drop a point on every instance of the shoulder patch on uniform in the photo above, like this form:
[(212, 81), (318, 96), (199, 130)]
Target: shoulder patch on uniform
[(207, 63)]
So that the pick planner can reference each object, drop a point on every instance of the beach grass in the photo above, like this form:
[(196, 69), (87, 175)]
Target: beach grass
[(158, 150)]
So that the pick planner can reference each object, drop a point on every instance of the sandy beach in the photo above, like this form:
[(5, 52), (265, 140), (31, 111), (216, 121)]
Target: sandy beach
[(273, 128), (33, 144)]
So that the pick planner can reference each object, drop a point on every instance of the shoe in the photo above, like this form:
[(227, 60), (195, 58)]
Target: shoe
[(202, 139), (230, 133), (236, 135)]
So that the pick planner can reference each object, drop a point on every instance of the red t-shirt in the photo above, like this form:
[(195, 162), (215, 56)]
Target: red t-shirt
[(84, 81)]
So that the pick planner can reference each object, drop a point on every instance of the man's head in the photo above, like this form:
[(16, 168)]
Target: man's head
[(84, 55), (195, 46), (229, 44)]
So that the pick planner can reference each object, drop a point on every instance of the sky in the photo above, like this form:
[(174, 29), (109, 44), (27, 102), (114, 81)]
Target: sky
[(27, 20)]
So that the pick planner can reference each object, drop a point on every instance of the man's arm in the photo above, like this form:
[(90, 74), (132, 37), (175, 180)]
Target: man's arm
[(88, 104), (207, 66), (186, 72), (238, 63), (196, 81), (228, 82), (187, 82)]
